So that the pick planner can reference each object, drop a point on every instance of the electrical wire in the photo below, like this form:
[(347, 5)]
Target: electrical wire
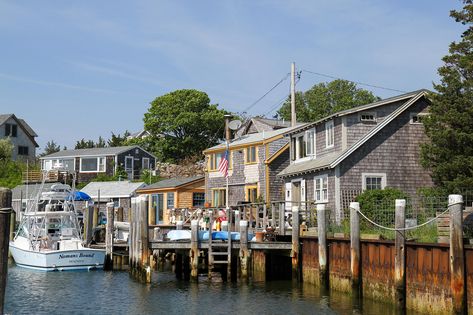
[(270, 90), (356, 82)]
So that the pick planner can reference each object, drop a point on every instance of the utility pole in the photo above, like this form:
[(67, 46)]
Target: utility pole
[(293, 94)]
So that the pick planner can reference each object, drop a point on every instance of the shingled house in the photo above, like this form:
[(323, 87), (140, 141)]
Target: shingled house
[(20, 134), (254, 161), (89, 163), (367, 147)]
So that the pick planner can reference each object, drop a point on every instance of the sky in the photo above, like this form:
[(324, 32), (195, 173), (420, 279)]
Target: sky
[(84, 69)]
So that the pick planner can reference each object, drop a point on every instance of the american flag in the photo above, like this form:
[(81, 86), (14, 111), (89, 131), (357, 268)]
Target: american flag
[(223, 165)]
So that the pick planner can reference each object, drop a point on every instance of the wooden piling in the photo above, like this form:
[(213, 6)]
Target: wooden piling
[(88, 224), (119, 214), (244, 254), (194, 251), (178, 266), (109, 237), (457, 259), (151, 211), (355, 249), (295, 244), (95, 217), (400, 256), (259, 265), (144, 238), (273, 216), (229, 244), (322, 237), (5, 211), (12, 224), (237, 220)]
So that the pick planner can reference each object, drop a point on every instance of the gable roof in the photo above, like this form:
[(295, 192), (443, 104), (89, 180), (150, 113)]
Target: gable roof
[(114, 189), (361, 108), (253, 138), (23, 125), (92, 152), (173, 182), (332, 160)]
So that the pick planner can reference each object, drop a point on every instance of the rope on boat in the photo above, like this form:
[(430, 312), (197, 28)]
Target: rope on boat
[(6, 210), (411, 227)]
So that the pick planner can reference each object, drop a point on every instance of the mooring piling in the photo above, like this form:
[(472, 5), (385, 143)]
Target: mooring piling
[(457, 259), (400, 255), (244, 254), (322, 236), (194, 251), (109, 237), (355, 250), (5, 212), (295, 244)]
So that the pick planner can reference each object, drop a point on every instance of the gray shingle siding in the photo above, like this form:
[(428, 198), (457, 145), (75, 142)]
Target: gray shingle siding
[(277, 183), (395, 150), (22, 139)]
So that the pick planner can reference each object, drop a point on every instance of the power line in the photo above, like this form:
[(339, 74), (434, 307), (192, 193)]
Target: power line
[(356, 82), (259, 99), (281, 101)]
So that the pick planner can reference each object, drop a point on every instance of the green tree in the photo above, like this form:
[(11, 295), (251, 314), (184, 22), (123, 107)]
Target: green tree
[(116, 140), (50, 148), (85, 144), (449, 153), (324, 99), (6, 150), (182, 124), (100, 143)]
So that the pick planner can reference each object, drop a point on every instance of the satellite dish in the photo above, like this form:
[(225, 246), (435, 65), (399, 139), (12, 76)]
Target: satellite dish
[(234, 124)]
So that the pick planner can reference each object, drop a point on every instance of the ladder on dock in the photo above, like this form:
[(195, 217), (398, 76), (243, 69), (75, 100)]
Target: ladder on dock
[(220, 252)]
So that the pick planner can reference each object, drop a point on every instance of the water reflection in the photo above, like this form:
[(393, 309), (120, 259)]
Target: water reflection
[(30, 292)]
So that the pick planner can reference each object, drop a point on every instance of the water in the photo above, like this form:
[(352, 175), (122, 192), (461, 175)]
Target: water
[(98, 292)]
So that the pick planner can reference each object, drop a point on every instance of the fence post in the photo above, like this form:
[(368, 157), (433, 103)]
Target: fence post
[(194, 252), (457, 261), (282, 220), (355, 250), (273, 216), (265, 216), (295, 243), (244, 249), (400, 255), (5, 211), (322, 236), (120, 214), (109, 237), (237, 220)]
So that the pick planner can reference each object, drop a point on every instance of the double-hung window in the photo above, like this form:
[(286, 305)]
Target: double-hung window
[(145, 163), (215, 158), (372, 181), (198, 199), (310, 142), (250, 155), (218, 197), (329, 134), (321, 188)]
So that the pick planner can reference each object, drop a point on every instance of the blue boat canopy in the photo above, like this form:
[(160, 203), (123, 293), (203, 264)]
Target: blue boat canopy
[(80, 196)]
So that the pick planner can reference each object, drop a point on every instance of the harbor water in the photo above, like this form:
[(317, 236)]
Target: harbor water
[(99, 292)]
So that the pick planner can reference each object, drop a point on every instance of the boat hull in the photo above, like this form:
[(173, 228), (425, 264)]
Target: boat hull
[(59, 260)]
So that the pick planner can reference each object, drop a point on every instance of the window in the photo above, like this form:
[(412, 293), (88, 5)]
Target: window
[(214, 160), (310, 142), (329, 134), (250, 156), (321, 188), (170, 200), (198, 199), (218, 197), (417, 118), (66, 164), (22, 150), (116, 202), (300, 147), (10, 130), (95, 164), (145, 163), (372, 181), (368, 117), (251, 193)]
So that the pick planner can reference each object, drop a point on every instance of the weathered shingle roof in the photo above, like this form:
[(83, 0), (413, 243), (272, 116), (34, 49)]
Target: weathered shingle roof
[(90, 152), (253, 138), (116, 189), (28, 129), (173, 182), (311, 165)]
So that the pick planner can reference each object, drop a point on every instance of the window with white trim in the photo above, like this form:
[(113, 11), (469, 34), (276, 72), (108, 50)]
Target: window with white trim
[(329, 134), (368, 117), (321, 188), (372, 181), (417, 118), (145, 163), (310, 142), (92, 164)]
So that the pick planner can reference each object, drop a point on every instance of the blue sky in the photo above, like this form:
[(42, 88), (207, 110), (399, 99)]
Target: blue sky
[(84, 69)]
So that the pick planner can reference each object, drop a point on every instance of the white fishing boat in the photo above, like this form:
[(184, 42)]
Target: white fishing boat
[(49, 237)]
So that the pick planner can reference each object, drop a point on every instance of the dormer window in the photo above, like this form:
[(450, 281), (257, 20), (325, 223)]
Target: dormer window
[(310, 142), (303, 145), (368, 117), (329, 134)]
